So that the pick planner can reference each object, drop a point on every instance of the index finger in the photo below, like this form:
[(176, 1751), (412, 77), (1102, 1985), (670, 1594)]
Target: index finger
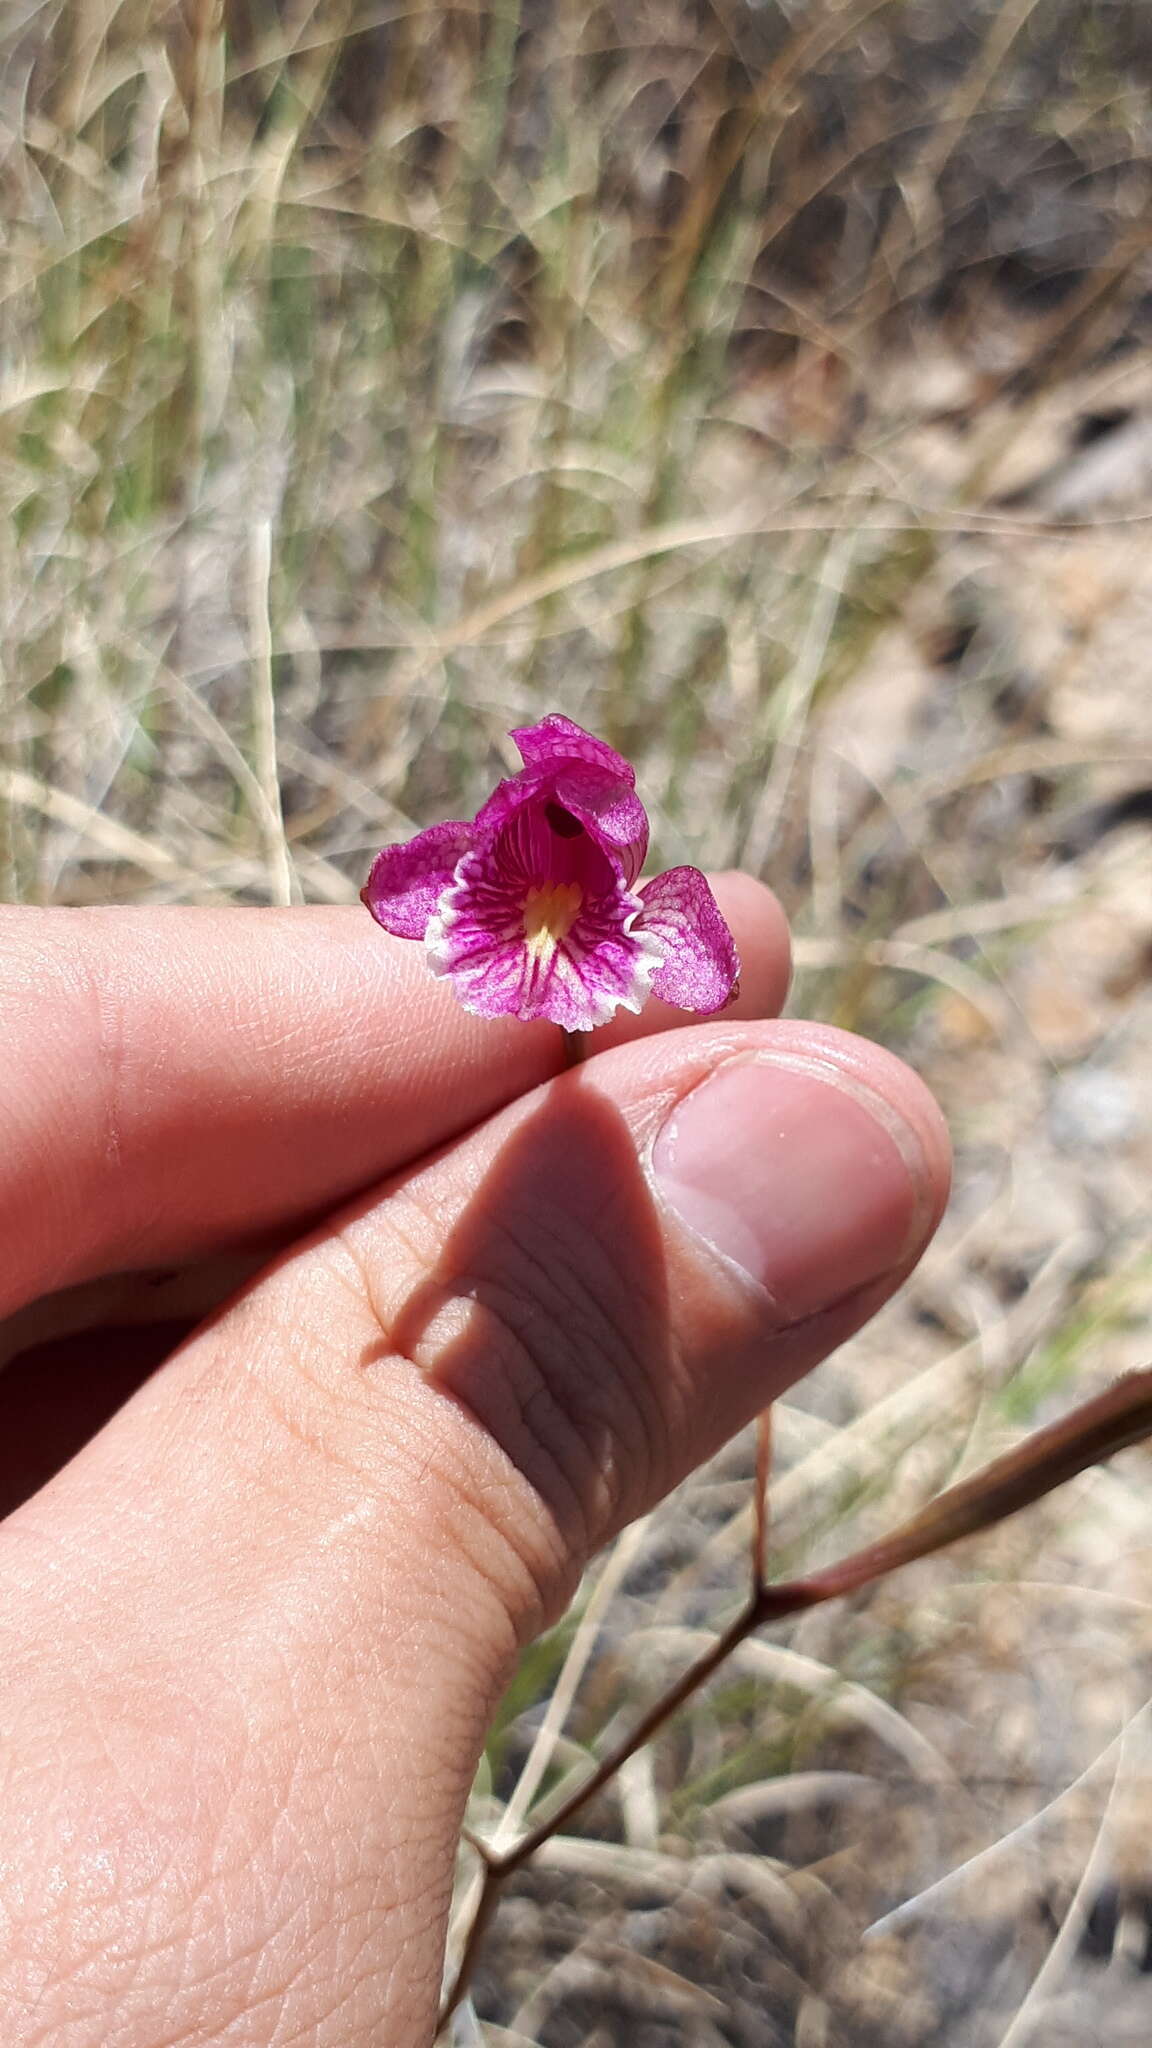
[(177, 1080)]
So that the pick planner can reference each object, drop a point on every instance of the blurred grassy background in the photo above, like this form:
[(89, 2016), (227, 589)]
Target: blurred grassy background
[(768, 385)]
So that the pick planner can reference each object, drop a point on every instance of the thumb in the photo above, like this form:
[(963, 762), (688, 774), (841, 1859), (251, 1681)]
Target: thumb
[(254, 1632)]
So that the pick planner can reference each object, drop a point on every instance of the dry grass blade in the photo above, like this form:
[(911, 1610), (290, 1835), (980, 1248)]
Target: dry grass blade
[(619, 1562), (1028, 2019), (117, 841), (979, 1867), (270, 817)]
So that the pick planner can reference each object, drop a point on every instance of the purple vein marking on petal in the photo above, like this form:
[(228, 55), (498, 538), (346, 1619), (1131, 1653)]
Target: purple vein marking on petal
[(602, 963), (701, 966), (529, 946)]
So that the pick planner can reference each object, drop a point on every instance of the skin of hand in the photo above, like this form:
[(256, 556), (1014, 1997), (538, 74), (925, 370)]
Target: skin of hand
[(252, 1633)]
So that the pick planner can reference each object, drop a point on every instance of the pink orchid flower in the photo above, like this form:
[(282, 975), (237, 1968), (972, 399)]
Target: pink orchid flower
[(532, 909)]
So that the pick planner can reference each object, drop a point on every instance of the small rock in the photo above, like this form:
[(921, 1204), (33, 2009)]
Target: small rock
[(1092, 1109)]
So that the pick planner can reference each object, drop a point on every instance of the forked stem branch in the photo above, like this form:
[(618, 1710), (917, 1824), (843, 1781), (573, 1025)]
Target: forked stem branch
[(1111, 1422)]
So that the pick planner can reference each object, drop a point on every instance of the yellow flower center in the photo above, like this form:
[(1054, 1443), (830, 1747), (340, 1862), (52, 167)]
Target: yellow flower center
[(549, 915)]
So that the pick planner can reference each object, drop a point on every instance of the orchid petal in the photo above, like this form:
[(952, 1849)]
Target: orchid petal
[(589, 778), (701, 967), (407, 882), (616, 817), (557, 740), (584, 776), (613, 816)]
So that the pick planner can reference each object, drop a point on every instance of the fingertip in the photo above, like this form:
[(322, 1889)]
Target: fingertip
[(763, 941), (895, 1091)]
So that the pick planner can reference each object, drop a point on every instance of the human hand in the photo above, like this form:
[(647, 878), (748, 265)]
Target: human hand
[(251, 1636)]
